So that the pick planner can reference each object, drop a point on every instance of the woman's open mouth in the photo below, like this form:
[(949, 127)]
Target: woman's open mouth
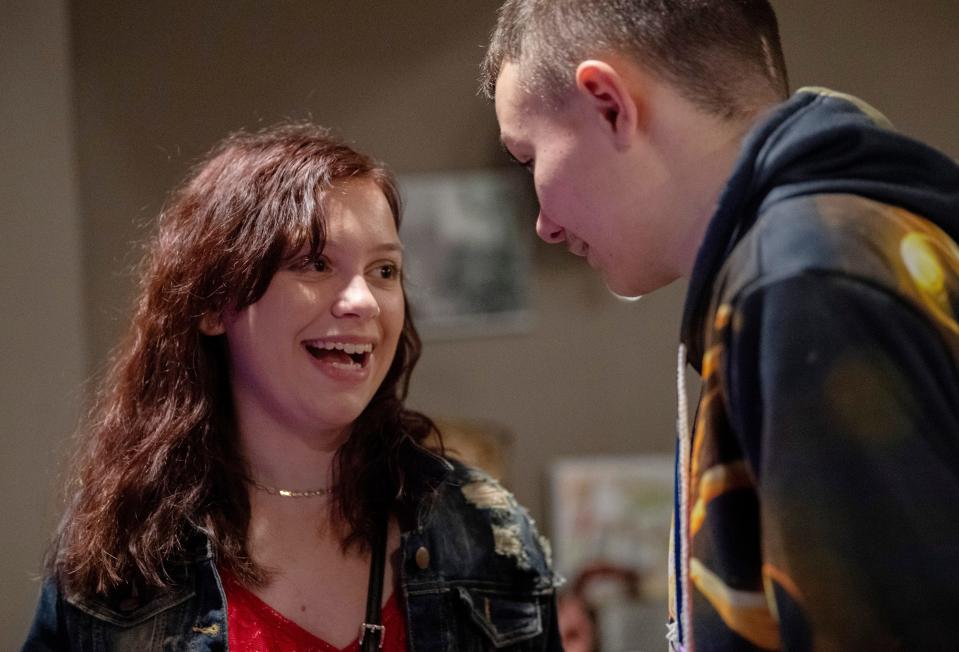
[(344, 355)]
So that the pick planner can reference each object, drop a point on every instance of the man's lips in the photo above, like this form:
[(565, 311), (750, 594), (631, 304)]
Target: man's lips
[(576, 246), (580, 248)]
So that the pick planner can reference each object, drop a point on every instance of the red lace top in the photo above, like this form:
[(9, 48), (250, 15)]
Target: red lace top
[(254, 626)]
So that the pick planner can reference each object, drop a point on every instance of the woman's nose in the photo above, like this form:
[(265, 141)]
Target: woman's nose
[(356, 300)]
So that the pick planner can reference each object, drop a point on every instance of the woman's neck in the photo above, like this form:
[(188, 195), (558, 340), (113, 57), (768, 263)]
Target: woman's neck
[(282, 458)]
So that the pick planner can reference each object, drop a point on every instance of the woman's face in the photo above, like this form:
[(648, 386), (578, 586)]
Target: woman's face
[(308, 356)]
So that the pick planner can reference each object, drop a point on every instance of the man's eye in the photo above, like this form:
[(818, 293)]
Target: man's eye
[(528, 165)]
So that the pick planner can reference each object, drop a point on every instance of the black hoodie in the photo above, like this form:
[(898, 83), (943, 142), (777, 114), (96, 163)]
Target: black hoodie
[(819, 142), (822, 479)]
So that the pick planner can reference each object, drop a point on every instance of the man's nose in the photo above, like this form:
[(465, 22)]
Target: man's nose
[(356, 300), (548, 231)]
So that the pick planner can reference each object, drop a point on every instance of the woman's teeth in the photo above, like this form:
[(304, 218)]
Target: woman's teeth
[(353, 355)]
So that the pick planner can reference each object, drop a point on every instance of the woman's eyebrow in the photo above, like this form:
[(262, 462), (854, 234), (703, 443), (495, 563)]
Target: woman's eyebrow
[(388, 247)]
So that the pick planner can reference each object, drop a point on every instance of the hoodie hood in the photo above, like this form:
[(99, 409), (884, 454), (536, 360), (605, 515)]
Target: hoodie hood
[(818, 142)]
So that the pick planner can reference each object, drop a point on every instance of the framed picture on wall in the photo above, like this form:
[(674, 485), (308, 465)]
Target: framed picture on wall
[(467, 261), (613, 513)]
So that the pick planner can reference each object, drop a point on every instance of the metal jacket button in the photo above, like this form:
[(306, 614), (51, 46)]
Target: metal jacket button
[(422, 558)]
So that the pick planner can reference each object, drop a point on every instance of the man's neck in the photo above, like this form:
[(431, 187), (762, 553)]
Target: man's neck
[(701, 151)]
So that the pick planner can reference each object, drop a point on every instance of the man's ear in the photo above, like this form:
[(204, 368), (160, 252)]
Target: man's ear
[(609, 93), (212, 324)]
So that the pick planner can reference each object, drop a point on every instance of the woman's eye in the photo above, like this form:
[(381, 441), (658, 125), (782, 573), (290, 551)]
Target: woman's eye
[(311, 263), (316, 263), (388, 271)]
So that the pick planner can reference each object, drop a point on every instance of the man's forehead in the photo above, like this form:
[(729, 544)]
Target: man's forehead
[(511, 104), (516, 100), (516, 106), (509, 93)]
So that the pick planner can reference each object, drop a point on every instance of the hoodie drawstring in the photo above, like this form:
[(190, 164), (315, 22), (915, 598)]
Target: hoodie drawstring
[(679, 640)]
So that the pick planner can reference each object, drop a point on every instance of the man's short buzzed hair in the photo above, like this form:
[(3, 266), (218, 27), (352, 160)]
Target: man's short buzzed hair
[(722, 55)]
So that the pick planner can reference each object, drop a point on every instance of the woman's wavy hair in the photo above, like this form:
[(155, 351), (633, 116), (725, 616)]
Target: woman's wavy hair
[(158, 459)]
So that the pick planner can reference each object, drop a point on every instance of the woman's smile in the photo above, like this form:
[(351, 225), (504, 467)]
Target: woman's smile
[(341, 358)]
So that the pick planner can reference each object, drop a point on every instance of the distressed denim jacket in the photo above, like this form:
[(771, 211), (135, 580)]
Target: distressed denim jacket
[(474, 575)]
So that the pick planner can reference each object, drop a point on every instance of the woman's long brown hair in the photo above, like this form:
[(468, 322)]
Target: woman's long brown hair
[(158, 459)]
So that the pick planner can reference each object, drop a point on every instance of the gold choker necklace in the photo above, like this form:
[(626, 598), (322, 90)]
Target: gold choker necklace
[(289, 493)]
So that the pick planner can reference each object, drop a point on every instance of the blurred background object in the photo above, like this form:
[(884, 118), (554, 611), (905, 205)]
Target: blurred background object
[(577, 623), (610, 523), (480, 443), (467, 260), (104, 105)]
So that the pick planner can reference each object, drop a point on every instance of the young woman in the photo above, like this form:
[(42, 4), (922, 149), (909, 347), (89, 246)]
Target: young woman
[(250, 478)]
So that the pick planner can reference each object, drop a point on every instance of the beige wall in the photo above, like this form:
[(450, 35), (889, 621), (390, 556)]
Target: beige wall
[(42, 338), (903, 57), (155, 84)]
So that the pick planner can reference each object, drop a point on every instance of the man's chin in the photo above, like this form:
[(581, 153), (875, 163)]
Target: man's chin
[(622, 291), (631, 288), (628, 298)]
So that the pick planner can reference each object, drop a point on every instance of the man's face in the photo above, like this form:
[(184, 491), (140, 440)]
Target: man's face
[(597, 198)]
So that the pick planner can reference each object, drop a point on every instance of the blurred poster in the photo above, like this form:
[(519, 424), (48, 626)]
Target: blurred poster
[(467, 261), (613, 514)]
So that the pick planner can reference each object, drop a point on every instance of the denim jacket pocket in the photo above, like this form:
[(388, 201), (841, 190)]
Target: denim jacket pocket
[(130, 612), (504, 617)]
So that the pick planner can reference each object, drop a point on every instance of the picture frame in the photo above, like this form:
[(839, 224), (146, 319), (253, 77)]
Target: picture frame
[(613, 513), (468, 260)]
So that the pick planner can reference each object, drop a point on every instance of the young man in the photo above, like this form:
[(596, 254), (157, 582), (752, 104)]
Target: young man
[(818, 494)]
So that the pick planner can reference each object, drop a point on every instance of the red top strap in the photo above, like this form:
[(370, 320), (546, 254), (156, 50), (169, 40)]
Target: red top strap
[(255, 626)]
